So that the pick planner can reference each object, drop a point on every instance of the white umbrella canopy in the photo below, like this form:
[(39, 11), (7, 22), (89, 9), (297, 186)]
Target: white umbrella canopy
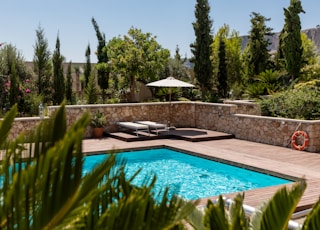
[(170, 82)]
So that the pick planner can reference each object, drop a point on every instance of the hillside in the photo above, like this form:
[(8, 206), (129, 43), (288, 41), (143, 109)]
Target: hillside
[(313, 34)]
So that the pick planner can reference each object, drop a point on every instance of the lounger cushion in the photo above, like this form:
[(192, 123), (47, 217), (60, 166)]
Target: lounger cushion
[(152, 124), (132, 125)]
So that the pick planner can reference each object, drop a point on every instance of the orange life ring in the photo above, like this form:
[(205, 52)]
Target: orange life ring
[(305, 142)]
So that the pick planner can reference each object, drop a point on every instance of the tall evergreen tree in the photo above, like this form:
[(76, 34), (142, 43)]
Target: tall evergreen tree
[(291, 44), (79, 85), (257, 48), (279, 58), (14, 85), (201, 47), (222, 70), (42, 66), (69, 84), (103, 59), (58, 76), (177, 55), (87, 67), (91, 90), (233, 52)]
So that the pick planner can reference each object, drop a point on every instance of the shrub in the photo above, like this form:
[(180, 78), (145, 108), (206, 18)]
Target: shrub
[(301, 102)]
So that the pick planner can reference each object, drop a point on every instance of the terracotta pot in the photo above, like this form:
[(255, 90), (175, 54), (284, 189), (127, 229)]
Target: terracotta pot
[(97, 132)]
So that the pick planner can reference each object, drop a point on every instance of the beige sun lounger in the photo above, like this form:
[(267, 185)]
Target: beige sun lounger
[(134, 126), (154, 125)]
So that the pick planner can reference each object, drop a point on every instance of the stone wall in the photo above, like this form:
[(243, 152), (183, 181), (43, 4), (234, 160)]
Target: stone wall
[(23, 125), (245, 106), (228, 117)]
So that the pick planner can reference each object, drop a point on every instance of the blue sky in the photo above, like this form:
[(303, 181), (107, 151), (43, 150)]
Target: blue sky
[(169, 20)]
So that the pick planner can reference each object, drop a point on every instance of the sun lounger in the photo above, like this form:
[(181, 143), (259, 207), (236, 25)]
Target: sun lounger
[(134, 126), (154, 125)]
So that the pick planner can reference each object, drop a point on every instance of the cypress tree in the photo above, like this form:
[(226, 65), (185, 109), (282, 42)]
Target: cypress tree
[(222, 70), (69, 84), (42, 66), (91, 90), (291, 44), (58, 76), (201, 48), (14, 86), (257, 47), (103, 73), (87, 67)]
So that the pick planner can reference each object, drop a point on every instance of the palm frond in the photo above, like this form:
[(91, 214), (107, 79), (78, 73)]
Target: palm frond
[(195, 219), (277, 212), (237, 213), (33, 190), (312, 220), (216, 216), (6, 123)]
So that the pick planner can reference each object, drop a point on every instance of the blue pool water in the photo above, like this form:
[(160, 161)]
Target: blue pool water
[(188, 176)]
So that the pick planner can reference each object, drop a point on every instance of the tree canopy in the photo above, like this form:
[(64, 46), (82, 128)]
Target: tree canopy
[(136, 56)]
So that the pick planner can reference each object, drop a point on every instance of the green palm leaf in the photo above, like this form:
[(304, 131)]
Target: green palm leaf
[(277, 212), (237, 214), (6, 124), (312, 220), (216, 216), (34, 191)]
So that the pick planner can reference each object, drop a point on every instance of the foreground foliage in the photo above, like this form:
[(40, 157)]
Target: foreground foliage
[(50, 192), (42, 187)]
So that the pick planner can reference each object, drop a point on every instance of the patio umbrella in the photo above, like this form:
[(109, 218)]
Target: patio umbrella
[(170, 82)]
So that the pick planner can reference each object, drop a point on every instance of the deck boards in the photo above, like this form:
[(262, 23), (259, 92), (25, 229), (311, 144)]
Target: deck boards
[(270, 159)]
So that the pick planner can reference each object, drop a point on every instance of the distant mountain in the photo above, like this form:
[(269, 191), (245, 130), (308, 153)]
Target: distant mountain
[(313, 34)]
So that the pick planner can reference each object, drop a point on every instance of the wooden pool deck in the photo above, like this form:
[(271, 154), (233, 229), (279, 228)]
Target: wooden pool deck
[(267, 158)]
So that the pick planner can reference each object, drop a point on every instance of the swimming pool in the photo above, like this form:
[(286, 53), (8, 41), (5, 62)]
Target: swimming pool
[(189, 176)]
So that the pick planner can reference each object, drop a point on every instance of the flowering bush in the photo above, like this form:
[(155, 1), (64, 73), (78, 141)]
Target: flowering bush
[(27, 100)]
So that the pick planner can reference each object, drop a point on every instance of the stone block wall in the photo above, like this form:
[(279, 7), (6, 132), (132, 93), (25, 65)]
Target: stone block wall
[(225, 117), (23, 125), (245, 106)]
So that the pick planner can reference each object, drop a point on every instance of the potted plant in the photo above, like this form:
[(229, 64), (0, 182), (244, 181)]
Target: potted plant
[(98, 121)]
